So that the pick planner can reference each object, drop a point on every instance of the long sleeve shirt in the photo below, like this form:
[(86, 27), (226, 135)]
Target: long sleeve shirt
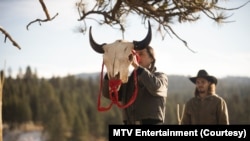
[(210, 110), (150, 102)]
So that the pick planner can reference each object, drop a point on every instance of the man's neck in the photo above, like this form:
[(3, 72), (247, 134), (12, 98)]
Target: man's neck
[(203, 95)]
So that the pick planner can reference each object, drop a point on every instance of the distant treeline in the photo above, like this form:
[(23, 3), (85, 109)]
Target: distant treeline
[(67, 106)]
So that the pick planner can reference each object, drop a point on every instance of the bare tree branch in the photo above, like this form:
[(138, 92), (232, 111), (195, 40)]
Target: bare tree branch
[(46, 13), (7, 35), (164, 12)]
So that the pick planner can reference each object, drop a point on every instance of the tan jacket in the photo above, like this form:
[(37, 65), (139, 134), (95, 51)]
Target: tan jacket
[(211, 110), (150, 102)]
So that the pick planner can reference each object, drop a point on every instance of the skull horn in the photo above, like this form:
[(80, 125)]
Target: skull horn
[(98, 48), (139, 45)]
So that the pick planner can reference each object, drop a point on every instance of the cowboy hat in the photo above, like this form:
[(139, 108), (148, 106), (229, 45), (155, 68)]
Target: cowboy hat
[(204, 74)]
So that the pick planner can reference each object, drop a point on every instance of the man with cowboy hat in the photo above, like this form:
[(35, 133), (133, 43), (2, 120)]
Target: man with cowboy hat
[(206, 107)]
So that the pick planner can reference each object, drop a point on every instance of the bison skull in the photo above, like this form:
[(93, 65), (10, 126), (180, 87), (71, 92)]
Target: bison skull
[(117, 56)]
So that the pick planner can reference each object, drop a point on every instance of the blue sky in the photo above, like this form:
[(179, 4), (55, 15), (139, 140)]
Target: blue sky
[(56, 49)]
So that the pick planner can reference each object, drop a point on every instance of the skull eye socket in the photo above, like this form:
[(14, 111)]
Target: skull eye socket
[(130, 57)]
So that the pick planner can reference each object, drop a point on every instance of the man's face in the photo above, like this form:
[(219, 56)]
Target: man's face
[(145, 59), (202, 85)]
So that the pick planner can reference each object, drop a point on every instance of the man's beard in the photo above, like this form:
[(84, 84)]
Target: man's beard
[(201, 91)]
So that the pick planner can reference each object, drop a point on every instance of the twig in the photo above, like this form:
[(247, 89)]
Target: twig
[(7, 35), (39, 20), (179, 118), (46, 13)]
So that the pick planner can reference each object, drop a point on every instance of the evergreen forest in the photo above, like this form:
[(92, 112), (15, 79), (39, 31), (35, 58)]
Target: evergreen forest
[(66, 107)]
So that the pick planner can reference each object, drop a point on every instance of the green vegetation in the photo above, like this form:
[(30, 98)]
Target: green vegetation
[(67, 107)]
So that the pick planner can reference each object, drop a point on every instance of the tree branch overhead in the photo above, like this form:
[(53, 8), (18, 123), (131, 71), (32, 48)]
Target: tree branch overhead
[(163, 12)]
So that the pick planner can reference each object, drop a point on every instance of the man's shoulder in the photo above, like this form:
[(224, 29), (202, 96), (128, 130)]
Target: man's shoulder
[(191, 99), (216, 96), (160, 73)]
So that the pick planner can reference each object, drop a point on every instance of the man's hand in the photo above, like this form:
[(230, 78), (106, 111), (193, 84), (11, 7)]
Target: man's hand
[(135, 63)]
